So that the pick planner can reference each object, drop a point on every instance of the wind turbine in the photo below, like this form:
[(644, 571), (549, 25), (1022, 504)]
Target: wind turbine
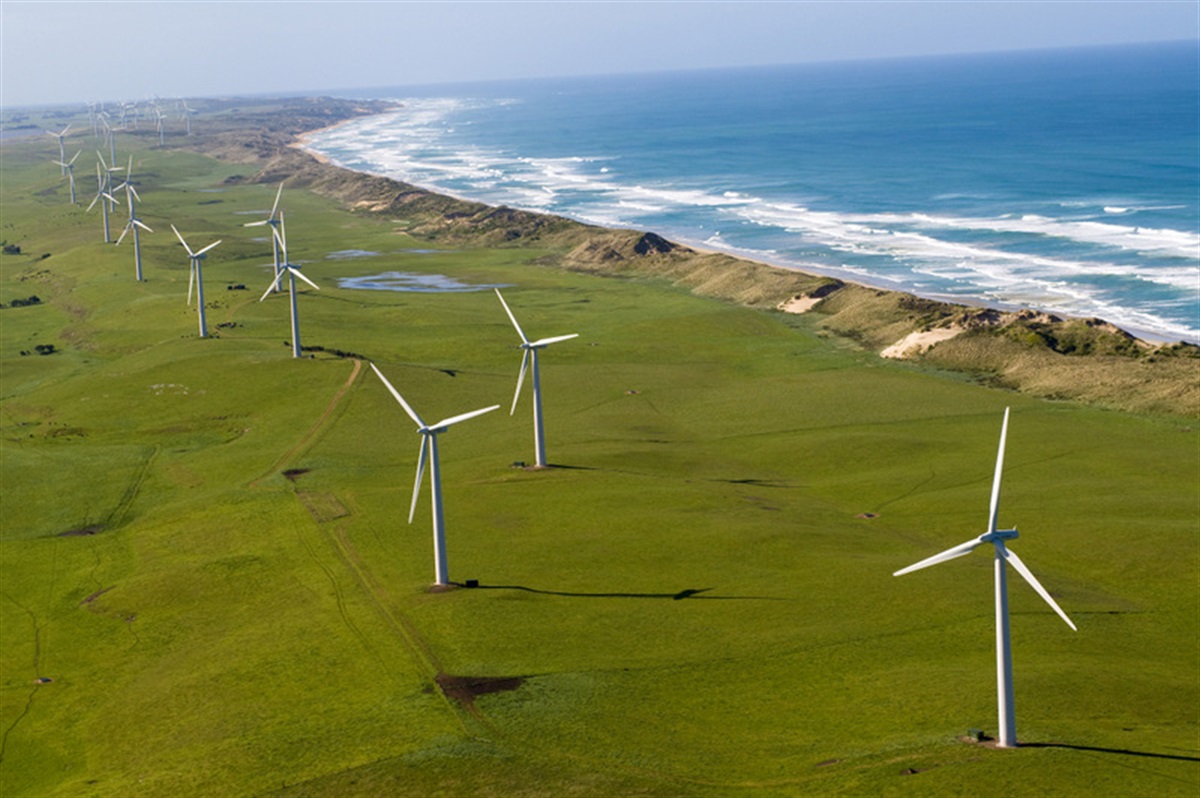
[(1004, 686), (103, 196), (134, 223), (531, 354), (195, 272), (62, 152), (108, 170), (69, 166), (187, 116), (429, 452), (158, 121), (273, 221), (292, 271)]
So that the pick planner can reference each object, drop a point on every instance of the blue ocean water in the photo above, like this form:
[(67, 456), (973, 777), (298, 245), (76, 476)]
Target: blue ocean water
[(1067, 181)]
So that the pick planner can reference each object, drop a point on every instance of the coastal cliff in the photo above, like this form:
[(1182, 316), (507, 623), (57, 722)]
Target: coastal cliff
[(1085, 360)]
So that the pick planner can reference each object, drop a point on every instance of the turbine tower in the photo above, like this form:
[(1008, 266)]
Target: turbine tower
[(1001, 555), (292, 271), (69, 166), (62, 152), (531, 354), (429, 452), (273, 221), (194, 272), (134, 223)]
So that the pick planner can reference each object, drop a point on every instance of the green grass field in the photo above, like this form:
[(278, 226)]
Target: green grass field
[(698, 600)]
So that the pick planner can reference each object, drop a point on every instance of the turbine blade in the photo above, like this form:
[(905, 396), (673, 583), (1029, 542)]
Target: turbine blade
[(133, 191), (111, 198), (210, 246), (412, 509), (93, 203), (511, 317), (300, 274), (255, 224), (281, 234), (139, 223), (450, 422), (181, 241), (520, 380), (960, 550), (121, 237), (554, 340), (411, 413), (191, 278), (1024, 571), (995, 506), (274, 284), (74, 157), (274, 207)]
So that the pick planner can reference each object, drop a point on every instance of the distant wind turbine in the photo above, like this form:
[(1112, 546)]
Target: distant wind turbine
[(62, 152), (429, 453), (187, 116), (69, 166), (273, 221), (103, 195), (194, 272), (531, 354), (292, 271), (158, 121), (134, 223), (1004, 680)]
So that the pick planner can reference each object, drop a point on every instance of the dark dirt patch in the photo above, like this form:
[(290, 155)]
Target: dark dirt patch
[(867, 516), (294, 473), (96, 595), (82, 531), (828, 762), (464, 689)]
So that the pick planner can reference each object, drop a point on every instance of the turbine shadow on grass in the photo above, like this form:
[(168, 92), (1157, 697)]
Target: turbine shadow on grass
[(1124, 751), (688, 593)]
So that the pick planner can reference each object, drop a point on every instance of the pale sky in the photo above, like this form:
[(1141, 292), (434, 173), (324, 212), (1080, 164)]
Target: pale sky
[(58, 52)]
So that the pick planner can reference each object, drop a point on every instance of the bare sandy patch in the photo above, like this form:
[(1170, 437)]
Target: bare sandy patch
[(918, 343), (800, 304)]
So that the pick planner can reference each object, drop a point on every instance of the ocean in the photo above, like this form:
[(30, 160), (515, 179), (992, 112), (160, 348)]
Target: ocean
[(1066, 181)]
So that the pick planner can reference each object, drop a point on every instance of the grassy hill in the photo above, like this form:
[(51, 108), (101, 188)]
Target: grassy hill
[(209, 585)]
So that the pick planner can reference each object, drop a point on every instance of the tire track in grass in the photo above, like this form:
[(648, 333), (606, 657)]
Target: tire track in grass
[(37, 683), (308, 438), (121, 511)]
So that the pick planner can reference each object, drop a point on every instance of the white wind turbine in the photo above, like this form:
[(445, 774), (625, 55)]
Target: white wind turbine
[(158, 122), (187, 116), (292, 271), (531, 354), (429, 452), (69, 166), (103, 195), (273, 221), (62, 152), (134, 223), (1002, 555), (195, 273)]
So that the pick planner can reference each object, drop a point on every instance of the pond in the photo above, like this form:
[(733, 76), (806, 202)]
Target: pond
[(409, 281)]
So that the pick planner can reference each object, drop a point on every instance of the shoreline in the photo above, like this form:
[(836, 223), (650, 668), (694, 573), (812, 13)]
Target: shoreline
[(1142, 333), (1038, 353)]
